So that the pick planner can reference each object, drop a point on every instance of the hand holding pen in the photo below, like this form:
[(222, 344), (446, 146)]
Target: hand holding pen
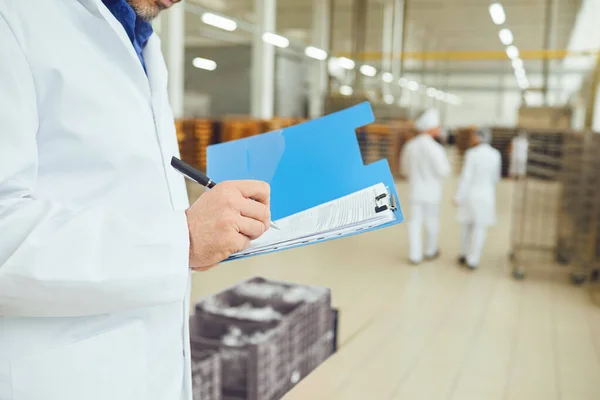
[(226, 218)]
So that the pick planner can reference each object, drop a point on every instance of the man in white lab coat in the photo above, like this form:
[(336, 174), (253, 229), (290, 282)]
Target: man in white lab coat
[(425, 165), (476, 196), (519, 147), (96, 234)]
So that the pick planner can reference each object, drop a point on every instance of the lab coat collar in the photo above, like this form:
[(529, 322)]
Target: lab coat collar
[(97, 7)]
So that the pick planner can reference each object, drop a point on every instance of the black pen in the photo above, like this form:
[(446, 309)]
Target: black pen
[(193, 174)]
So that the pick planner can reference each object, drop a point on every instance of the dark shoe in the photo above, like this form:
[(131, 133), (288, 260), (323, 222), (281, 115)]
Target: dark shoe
[(462, 260), (433, 257)]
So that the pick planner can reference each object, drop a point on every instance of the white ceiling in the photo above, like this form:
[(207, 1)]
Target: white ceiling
[(432, 25)]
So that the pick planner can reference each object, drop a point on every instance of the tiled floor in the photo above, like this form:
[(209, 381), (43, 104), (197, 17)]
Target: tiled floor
[(437, 331)]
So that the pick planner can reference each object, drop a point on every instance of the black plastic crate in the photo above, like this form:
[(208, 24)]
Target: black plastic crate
[(305, 311), (206, 375), (255, 370)]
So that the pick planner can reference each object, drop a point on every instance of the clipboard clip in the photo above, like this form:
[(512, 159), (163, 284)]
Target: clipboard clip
[(384, 201)]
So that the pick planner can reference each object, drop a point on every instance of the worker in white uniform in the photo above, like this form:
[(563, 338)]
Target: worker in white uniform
[(518, 155), (476, 196), (97, 236), (425, 165)]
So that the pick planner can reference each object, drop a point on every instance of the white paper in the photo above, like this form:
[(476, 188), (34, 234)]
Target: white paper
[(335, 218)]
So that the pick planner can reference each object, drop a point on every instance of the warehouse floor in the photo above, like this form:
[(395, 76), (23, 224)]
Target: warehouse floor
[(437, 331)]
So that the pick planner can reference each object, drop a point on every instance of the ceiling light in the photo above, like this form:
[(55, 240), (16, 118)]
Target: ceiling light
[(316, 53), (275, 40), (389, 99), (346, 90), (219, 22), (497, 13), (368, 70), (431, 92), (403, 82), (506, 36), (346, 63), (387, 77), (413, 86), (517, 63), (512, 52), (204, 63), (440, 95)]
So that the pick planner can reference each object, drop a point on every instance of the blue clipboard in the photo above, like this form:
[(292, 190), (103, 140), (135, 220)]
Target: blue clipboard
[(306, 164)]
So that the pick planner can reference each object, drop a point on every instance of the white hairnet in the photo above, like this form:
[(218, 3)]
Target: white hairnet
[(485, 135), (430, 119)]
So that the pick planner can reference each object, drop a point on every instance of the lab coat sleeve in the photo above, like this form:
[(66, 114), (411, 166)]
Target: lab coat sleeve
[(61, 262), (465, 179)]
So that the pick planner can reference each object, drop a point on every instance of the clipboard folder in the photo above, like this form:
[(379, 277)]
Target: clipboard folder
[(308, 164)]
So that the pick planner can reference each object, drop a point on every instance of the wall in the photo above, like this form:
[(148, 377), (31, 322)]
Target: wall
[(227, 90), (227, 87)]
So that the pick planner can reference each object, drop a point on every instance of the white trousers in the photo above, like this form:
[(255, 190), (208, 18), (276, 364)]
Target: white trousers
[(428, 215), (472, 238)]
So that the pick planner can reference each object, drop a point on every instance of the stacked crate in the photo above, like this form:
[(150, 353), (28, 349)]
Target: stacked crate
[(570, 178), (193, 136), (464, 138), (402, 133), (269, 334), (501, 141), (545, 153), (206, 375), (234, 129), (586, 212)]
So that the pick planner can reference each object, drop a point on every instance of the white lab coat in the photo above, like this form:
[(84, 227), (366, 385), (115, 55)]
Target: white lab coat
[(518, 156), (94, 275), (424, 163), (476, 193)]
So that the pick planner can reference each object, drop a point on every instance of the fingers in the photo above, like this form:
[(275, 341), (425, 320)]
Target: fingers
[(256, 190), (251, 228), (255, 210)]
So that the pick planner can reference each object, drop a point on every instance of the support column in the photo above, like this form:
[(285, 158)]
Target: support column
[(387, 41), (358, 38), (172, 26), (263, 61), (319, 78), (398, 36)]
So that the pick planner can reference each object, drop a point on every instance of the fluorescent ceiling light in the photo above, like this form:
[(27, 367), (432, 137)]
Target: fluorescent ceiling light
[(387, 77), (204, 63), (219, 22), (440, 95), (403, 82), (368, 70), (346, 90), (512, 52), (431, 92), (389, 99), (506, 36), (316, 53), (497, 13), (413, 86), (517, 63), (275, 40), (346, 63)]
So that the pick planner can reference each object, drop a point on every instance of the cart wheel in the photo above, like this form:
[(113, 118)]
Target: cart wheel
[(577, 278), (518, 273)]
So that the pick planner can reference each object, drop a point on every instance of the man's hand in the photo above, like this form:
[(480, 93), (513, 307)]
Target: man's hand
[(225, 219)]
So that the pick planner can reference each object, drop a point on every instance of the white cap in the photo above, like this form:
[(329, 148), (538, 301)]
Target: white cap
[(430, 119)]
